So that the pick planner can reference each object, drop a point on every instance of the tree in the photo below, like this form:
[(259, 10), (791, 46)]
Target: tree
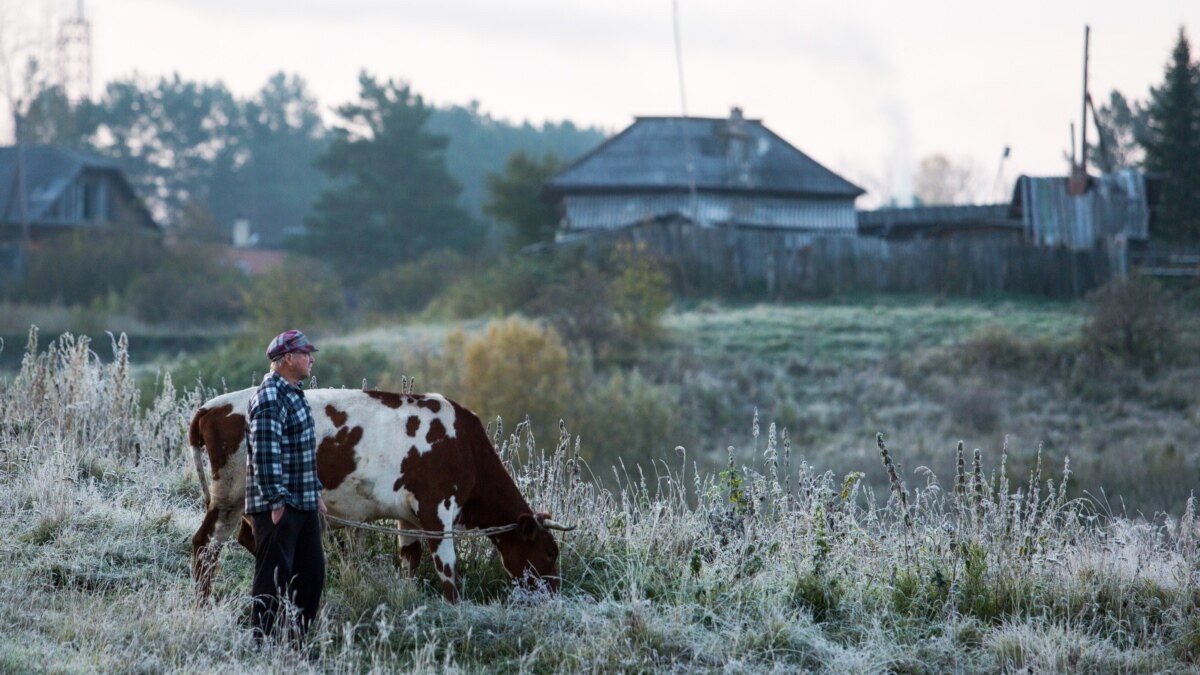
[(1172, 143), (514, 198), (52, 119), (272, 180), (392, 199), (168, 137), (939, 180), (480, 145), (1120, 126)]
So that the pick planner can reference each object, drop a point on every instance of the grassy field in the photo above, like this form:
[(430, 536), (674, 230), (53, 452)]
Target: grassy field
[(781, 560), (999, 375)]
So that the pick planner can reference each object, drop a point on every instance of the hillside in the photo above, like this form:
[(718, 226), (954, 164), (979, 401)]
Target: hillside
[(787, 568)]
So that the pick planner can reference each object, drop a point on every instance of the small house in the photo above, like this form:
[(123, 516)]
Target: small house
[(710, 172)]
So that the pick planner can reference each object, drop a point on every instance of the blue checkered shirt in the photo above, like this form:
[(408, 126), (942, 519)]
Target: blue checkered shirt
[(281, 466)]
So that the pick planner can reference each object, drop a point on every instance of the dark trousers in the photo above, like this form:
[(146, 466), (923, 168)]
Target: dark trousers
[(288, 563)]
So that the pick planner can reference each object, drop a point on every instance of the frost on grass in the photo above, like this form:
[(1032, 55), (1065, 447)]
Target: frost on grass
[(770, 564)]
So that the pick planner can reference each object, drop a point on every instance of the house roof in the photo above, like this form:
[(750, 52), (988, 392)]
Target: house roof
[(48, 171), (726, 154), (939, 217)]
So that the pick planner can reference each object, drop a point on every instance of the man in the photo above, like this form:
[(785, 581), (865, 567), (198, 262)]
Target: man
[(283, 493)]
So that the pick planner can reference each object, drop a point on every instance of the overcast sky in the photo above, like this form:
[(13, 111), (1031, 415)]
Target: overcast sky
[(866, 88)]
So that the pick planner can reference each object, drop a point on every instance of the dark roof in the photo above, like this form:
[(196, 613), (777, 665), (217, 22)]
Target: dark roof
[(942, 219), (48, 171), (733, 154), (916, 216)]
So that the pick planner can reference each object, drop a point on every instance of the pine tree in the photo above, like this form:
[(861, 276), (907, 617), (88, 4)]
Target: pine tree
[(1172, 142), (514, 198), (391, 199)]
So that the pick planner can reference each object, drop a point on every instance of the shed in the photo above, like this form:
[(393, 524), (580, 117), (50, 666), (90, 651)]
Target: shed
[(1115, 205)]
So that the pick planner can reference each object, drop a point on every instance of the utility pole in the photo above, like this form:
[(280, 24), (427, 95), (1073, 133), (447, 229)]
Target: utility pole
[(1077, 184), (22, 206)]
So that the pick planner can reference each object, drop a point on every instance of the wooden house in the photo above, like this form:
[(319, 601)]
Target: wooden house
[(710, 172)]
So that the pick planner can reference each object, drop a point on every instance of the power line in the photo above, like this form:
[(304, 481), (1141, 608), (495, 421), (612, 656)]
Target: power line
[(688, 164)]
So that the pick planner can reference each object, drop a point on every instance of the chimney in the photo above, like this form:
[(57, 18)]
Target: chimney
[(737, 148)]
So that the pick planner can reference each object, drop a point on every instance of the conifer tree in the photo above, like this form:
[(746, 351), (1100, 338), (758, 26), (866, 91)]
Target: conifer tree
[(391, 199), (1172, 142)]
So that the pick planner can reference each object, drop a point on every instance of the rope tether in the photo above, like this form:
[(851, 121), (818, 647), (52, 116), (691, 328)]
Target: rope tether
[(421, 534)]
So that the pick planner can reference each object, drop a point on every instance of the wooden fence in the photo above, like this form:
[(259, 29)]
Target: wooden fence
[(774, 264)]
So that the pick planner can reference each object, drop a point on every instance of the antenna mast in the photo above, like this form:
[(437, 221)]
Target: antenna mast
[(1077, 184), (74, 54)]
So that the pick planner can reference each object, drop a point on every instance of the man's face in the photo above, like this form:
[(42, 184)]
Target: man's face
[(296, 366)]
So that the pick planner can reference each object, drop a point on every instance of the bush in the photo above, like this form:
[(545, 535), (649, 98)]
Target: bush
[(300, 294), (581, 310), (631, 419), (1134, 321), (78, 268), (243, 363), (410, 287), (517, 368), (507, 286), (641, 292), (977, 407), (995, 348), (189, 290)]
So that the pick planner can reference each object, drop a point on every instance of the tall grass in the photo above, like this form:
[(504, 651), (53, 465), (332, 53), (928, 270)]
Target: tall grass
[(672, 569)]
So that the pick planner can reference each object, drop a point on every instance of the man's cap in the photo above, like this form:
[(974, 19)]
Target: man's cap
[(287, 342)]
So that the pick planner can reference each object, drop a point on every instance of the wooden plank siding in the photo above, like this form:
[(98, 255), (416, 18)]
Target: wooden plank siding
[(764, 263)]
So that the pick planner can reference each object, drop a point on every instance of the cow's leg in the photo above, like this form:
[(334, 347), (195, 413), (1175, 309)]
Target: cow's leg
[(207, 543), (443, 549), (246, 535), (410, 553)]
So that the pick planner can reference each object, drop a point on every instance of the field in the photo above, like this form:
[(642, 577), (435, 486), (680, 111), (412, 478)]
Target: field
[(745, 551)]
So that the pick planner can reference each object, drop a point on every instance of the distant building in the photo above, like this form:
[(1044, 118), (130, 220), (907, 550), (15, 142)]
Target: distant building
[(1042, 212), (67, 191), (940, 222), (731, 172), (1116, 205)]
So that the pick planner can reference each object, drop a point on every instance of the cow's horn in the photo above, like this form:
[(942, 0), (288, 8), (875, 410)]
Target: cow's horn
[(549, 524)]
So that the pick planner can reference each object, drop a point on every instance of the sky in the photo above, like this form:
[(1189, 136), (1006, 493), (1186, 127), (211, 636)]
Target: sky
[(866, 88)]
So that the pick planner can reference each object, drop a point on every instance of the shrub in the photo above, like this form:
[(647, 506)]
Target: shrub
[(976, 407), (300, 294), (1134, 321), (581, 309), (410, 287), (994, 347), (641, 291), (243, 363), (188, 290), (78, 268), (516, 368), (507, 286), (629, 418)]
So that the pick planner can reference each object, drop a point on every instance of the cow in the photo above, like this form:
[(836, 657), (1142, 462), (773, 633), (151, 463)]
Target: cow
[(422, 459)]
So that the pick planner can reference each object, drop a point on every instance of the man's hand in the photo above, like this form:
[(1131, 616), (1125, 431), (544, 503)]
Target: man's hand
[(321, 505), (277, 515)]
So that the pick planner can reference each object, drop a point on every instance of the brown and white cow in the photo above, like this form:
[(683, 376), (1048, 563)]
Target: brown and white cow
[(418, 458)]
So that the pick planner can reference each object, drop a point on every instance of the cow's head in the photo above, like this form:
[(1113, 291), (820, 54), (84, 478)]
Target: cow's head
[(530, 553)]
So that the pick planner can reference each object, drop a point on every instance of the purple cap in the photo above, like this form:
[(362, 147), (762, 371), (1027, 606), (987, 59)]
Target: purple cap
[(287, 342)]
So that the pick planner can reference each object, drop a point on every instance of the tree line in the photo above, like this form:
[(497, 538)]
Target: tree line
[(1162, 136), (391, 179)]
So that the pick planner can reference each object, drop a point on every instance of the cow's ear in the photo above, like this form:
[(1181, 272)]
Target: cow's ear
[(527, 526)]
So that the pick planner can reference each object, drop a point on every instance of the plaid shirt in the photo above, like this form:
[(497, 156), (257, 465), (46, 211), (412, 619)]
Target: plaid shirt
[(281, 466)]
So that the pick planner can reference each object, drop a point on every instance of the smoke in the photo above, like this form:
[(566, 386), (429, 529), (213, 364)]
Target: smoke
[(900, 158)]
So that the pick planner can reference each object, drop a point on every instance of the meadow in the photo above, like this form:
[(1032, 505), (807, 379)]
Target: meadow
[(803, 542)]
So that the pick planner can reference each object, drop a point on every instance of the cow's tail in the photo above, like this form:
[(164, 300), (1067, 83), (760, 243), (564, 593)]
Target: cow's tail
[(196, 440)]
